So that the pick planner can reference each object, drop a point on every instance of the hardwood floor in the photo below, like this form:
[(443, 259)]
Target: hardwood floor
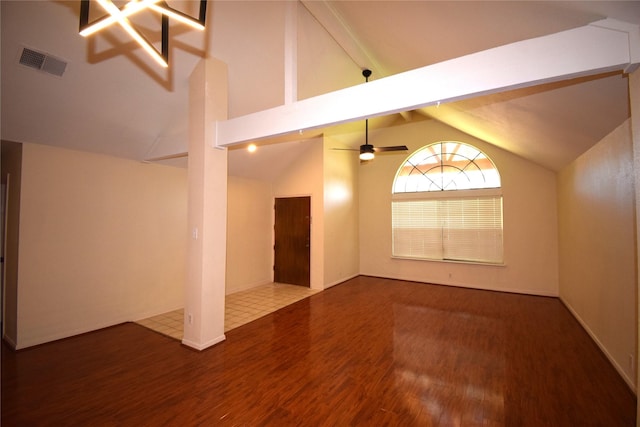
[(368, 352)]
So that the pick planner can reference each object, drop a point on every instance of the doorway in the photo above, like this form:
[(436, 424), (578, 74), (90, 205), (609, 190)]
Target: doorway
[(292, 241)]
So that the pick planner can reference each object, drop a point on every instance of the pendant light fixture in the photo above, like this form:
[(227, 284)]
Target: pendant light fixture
[(121, 17)]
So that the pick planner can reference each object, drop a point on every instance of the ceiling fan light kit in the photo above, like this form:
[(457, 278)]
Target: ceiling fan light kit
[(367, 151), (121, 16)]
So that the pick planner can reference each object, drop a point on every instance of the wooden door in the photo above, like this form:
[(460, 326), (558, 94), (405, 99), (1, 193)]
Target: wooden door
[(292, 248)]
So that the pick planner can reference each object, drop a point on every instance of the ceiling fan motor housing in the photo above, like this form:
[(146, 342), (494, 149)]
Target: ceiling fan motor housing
[(366, 148)]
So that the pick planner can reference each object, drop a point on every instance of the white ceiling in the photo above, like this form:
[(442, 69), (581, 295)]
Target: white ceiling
[(112, 99)]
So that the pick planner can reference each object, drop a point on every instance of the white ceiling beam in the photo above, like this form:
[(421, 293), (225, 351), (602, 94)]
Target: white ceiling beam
[(588, 50), (632, 31)]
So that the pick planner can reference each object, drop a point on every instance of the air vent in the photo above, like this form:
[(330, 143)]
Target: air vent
[(42, 61)]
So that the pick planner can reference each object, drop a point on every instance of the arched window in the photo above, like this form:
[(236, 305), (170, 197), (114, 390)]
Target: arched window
[(447, 205)]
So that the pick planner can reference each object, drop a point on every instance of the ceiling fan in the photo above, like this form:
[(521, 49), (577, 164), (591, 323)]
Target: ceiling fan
[(367, 151)]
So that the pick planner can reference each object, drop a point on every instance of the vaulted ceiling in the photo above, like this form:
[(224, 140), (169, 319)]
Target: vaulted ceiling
[(113, 99)]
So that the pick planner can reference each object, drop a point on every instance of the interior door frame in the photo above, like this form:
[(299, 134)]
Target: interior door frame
[(4, 195)]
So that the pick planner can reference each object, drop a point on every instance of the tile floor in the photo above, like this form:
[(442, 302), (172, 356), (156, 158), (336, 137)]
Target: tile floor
[(240, 308)]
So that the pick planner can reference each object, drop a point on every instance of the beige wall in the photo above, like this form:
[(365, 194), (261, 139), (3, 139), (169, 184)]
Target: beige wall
[(597, 246), (341, 251), (102, 241), (249, 234), (305, 178), (530, 219)]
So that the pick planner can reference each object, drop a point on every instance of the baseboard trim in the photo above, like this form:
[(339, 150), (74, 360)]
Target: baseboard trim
[(37, 340), (148, 314), (247, 287), (202, 346), (337, 282), (534, 292), (10, 342), (602, 348)]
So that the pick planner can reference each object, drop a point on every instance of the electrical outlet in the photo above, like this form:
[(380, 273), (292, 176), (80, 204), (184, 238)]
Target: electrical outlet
[(190, 318)]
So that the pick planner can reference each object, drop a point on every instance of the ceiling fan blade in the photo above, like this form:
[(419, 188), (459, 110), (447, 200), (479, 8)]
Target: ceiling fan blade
[(393, 148), (347, 149)]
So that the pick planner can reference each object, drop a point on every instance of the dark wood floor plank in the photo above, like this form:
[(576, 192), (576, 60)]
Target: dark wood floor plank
[(369, 352)]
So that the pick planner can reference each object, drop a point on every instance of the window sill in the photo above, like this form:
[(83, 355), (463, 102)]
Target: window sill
[(452, 261)]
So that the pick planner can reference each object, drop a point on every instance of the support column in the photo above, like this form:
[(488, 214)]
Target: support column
[(207, 178)]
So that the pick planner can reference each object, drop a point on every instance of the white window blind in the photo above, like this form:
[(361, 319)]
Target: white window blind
[(456, 228)]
